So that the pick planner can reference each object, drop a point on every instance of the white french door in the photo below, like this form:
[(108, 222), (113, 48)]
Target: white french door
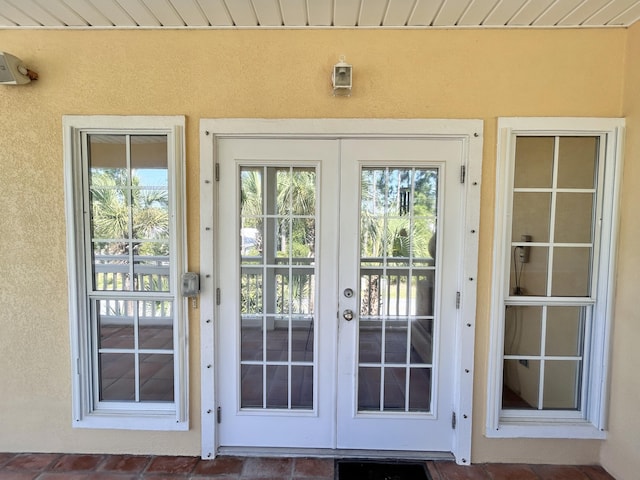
[(339, 263), (277, 316), (396, 357)]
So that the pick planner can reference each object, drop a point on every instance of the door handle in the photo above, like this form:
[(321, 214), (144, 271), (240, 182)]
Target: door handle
[(348, 315)]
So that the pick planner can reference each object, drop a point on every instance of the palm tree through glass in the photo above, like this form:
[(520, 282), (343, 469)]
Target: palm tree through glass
[(277, 291), (132, 310), (398, 215)]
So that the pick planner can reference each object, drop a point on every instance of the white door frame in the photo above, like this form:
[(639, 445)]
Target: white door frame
[(470, 132)]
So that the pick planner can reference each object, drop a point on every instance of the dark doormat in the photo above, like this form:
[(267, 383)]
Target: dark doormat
[(370, 470)]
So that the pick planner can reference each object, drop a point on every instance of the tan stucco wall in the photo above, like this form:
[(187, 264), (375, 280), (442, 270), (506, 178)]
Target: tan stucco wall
[(202, 74), (620, 451)]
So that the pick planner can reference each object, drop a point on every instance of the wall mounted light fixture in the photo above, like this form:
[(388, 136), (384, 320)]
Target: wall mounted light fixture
[(13, 71), (342, 78)]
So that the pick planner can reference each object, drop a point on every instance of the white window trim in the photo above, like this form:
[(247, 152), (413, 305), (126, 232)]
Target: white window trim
[(591, 423), (86, 413)]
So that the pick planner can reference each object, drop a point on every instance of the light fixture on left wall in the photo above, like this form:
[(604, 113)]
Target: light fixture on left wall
[(13, 71)]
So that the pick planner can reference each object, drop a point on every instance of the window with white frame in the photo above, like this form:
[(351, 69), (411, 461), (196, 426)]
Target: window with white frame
[(126, 251), (556, 210)]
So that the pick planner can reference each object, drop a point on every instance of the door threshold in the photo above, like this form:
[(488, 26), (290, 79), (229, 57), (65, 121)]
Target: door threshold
[(333, 453)]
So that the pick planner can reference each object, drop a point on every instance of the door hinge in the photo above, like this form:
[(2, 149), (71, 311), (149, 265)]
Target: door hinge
[(219, 414), (457, 300), (217, 172), (453, 420), (217, 296), (463, 173)]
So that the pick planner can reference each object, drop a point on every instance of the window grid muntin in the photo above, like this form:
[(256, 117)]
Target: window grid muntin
[(586, 302)]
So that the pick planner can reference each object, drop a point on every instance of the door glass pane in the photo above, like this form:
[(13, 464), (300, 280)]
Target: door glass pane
[(369, 388), (277, 386), (251, 386), (251, 343), (395, 335), (278, 286), (302, 387), (395, 393), (398, 251), (302, 336), (277, 339), (419, 383), (423, 284), (421, 343), (370, 341)]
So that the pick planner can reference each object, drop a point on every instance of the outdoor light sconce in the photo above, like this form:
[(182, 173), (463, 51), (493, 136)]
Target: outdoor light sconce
[(342, 78), (13, 71)]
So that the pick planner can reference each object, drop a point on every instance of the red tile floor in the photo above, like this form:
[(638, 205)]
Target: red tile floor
[(52, 466)]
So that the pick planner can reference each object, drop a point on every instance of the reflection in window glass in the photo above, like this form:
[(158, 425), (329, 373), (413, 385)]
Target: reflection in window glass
[(552, 244), (574, 217), (520, 384), (129, 198), (534, 162), (562, 380), (571, 272), (565, 331), (522, 330), (577, 162), (531, 215)]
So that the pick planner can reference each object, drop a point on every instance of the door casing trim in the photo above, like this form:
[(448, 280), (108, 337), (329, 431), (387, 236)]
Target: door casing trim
[(470, 132)]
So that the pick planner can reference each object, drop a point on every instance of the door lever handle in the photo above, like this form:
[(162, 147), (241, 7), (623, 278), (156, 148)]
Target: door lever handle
[(348, 315)]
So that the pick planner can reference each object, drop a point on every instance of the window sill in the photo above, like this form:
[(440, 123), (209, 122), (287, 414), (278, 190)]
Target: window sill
[(546, 429), (137, 421)]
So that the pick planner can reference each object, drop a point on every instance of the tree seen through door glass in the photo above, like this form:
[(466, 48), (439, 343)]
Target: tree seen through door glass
[(398, 251), (277, 286)]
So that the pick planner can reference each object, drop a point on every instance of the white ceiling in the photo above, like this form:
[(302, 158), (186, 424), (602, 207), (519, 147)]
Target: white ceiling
[(316, 13)]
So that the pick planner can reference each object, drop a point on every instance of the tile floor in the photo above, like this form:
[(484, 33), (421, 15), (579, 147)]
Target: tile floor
[(52, 466)]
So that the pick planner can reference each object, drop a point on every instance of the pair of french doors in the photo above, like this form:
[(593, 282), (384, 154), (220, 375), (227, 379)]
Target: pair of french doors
[(339, 263)]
